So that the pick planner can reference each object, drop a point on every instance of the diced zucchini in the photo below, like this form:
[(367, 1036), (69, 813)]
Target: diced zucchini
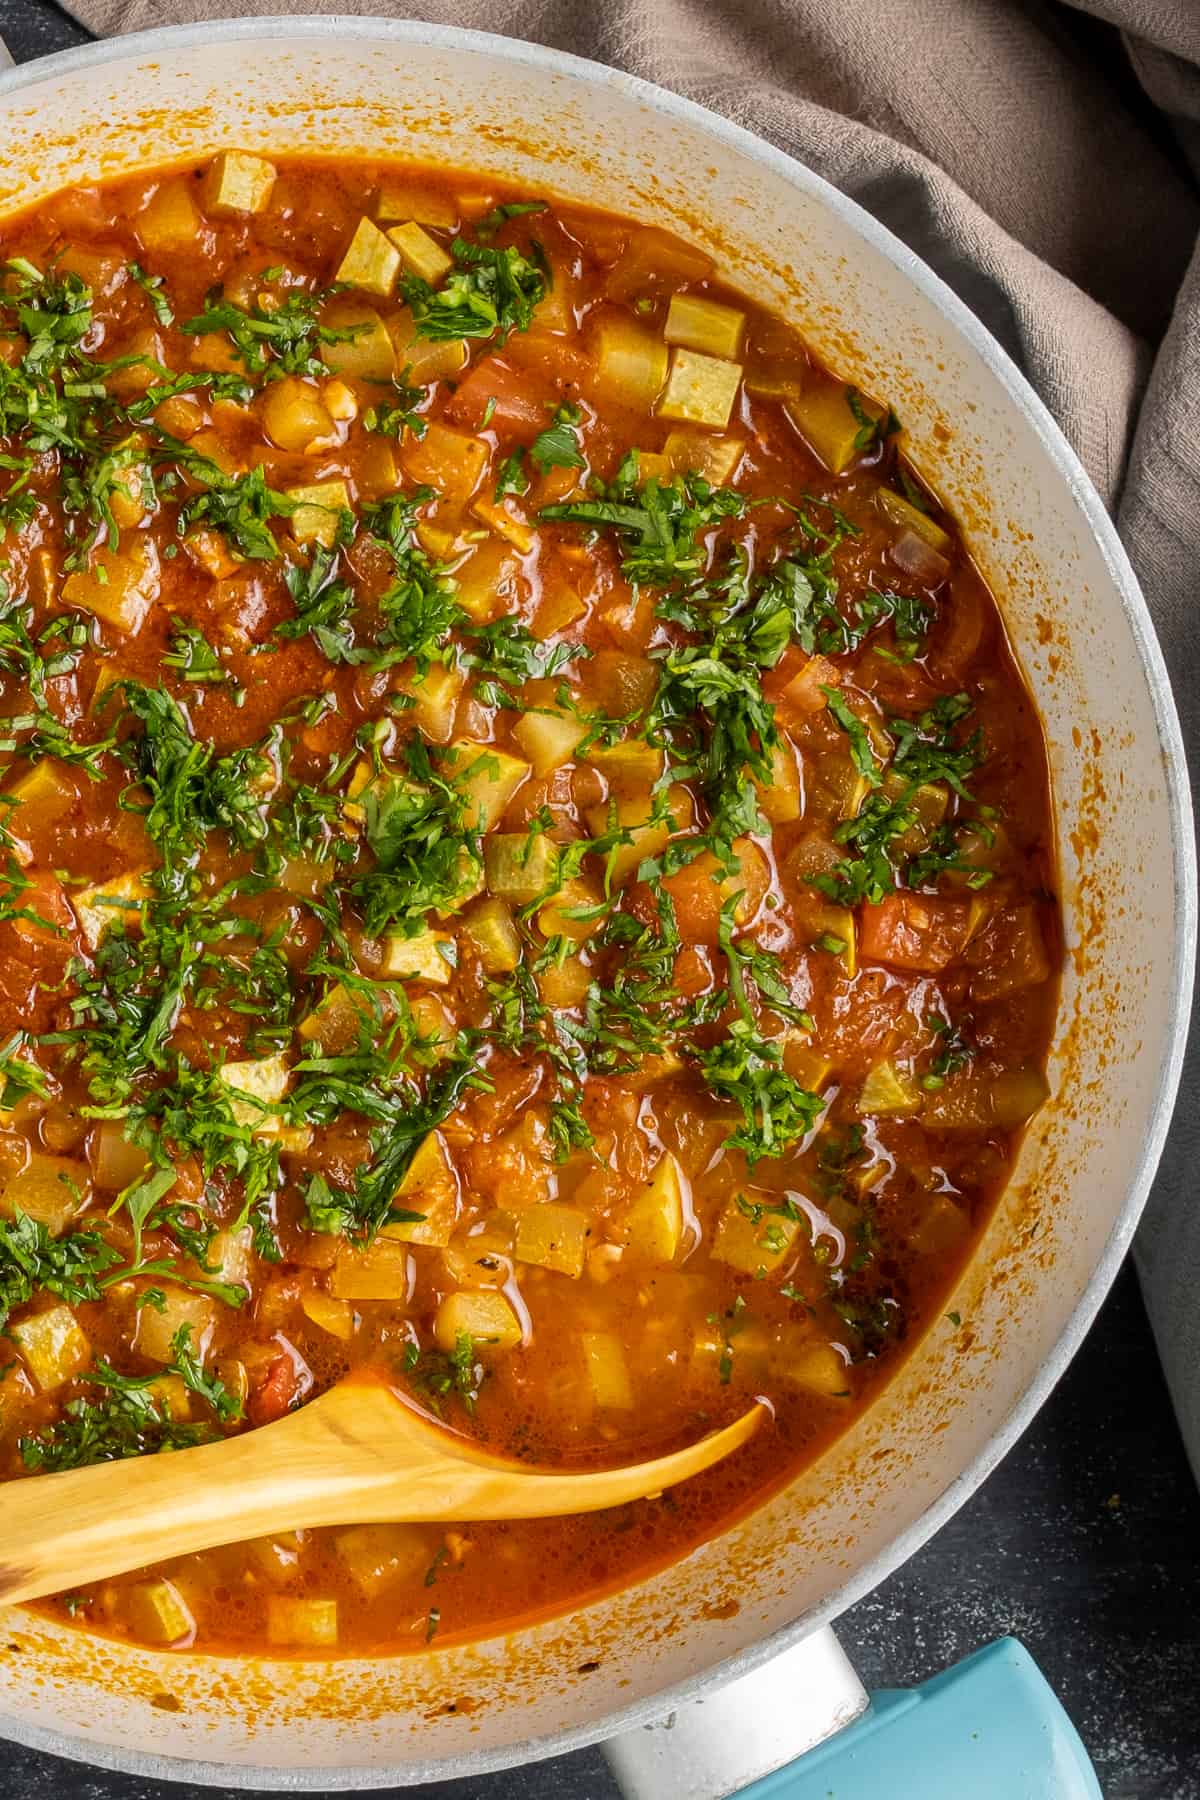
[(435, 696), (631, 362), (549, 739), (327, 1314), (238, 183), (302, 1624), (383, 1271), (318, 515), (564, 983), (972, 1101), (426, 359), (450, 461), (700, 324), (888, 1091), (519, 867), (157, 1612), (99, 908), (490, 929), (426, 957), (116, 1161), (118, 586), (515, 531), (699, 453), (608, 1371), (654, 1221), (487, 779), (823, 417), (902, 513), (943, 1226), (554, 918), (368, 355), (700, 389), (928, 806), (429, 1187), (748, 1242), (169, 220), (375, 1556), (156, 1328), (231, 1253), (399, 200), (420, 254), (553, 1237), (632, 767), (335, 1021), (53, 1345), (780, 798), (487, 582), (805, 1064), (296, 417), (484, 1316), (816, 1369), (171, 1397), (50, 1189), (46, 789), (371, 262), (264, 1084)]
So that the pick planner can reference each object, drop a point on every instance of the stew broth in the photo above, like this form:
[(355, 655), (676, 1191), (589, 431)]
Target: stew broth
[(529, 870)]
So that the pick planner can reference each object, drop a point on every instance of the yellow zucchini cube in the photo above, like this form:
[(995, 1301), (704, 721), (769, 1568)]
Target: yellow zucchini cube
[(749, 1237), (631, 362), (53, 1346), (50, 1189), (484, 1316), (490, 930), (823, 418), (296, 417), (157, 1328), (549, 739), (554, 918), (318, 514), (780, 798), (118, 586), (169, 220), (518, 867), (706, 325), (383, 1271), (817, 1369), (375, 1556), (327, 1314), (487, 779), (699, 453), (368, 355), (300, 1623), (399, 200), (264, 1084), (906, 517), (46, 789), (631, 768), (553, 1237), (608, 1371), (426, 957), (654, 1221), (508, 525), (434, 696), (430, 1187), (564, 983), (238, 182), (700, 389), (98, 908), (450, 461), (157, 1612), (371, 263), (804, 1063), (420, 254), (889, 1092)]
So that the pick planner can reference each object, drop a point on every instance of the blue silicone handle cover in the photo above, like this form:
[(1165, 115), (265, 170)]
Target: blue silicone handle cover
[(991, 1728)]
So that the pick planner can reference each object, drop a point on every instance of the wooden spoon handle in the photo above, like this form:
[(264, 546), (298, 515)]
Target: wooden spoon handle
[(354, 1455)]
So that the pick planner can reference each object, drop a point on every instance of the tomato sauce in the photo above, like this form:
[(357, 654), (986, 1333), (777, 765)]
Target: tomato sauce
[(528, 870)]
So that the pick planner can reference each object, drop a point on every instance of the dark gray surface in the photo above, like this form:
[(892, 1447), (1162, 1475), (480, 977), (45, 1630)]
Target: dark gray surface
[(1084, 1543)]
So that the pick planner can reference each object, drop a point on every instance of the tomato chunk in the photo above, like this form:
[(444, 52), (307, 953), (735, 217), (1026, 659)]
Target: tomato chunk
[(496, 395), (915, 931), (276, 1394)]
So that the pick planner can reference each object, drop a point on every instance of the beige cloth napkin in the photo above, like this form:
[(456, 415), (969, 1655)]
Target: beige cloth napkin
[(1044, 158)]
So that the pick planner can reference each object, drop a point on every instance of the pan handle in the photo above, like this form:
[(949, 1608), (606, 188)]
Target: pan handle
[(991, 1727)]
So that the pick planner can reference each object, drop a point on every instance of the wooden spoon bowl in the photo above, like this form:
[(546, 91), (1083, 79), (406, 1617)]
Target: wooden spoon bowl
[(357, 1455)]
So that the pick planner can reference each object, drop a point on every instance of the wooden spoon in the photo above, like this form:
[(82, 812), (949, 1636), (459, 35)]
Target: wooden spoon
[(356, 1455)]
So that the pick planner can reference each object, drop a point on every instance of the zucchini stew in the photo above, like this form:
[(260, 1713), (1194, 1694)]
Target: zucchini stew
[(528, 871)]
